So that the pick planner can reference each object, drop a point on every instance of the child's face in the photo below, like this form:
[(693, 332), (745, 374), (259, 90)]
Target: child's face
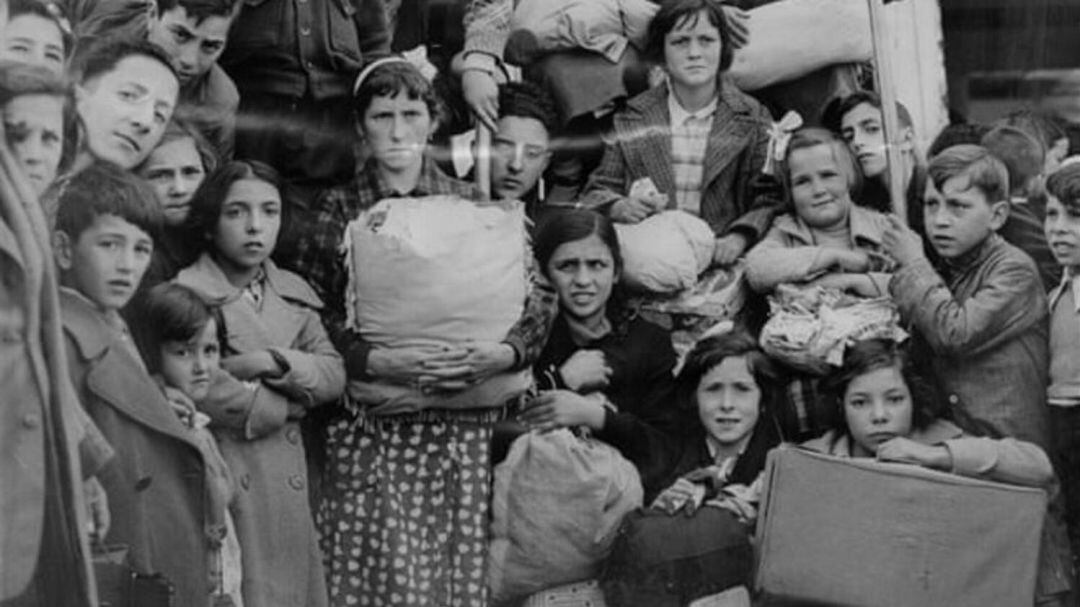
[(692, 52), (396, 130), (819, 187), (124, 111), (249, 223), (175, 171), (34, 125), (33, 40), (583, 272), (1062, 228), (107, 261), (959, 217), (878, 407), (192, 45), (729, 401), (187, 365)]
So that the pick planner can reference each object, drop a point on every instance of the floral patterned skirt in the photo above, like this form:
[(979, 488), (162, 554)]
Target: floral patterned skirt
[(405, 512)]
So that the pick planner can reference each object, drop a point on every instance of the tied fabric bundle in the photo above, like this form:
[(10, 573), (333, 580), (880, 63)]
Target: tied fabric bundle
[(435, 271), (809, 329), (666, 252), (557, 502)]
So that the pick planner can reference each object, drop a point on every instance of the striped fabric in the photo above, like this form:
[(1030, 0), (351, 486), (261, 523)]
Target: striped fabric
[(689, 138)]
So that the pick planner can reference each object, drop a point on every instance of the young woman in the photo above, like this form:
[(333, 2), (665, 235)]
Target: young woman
[(391, 536), (700, 141), (825, 238), (857, 118), (174, 170), (708, 501), (274, 340), (890, 413), (602, 368)]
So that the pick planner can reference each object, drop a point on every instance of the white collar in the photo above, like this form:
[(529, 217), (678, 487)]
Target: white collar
[(1070, 279), (679, 115)]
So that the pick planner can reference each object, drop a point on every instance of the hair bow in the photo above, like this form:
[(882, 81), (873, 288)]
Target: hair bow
[(779, 136)]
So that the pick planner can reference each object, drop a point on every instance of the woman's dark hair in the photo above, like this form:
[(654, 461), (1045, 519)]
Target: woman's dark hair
[(207, 201), (562, 227), (868, 355), (49, 11), (809, 137), (676, 13), (168, 312), (102, 57), (392, 79)]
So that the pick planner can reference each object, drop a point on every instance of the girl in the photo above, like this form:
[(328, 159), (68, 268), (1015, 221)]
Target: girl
[(890, 413), (605, 369), (825, 239), (423, 539), (697, 143), (36, 34), (35, 107), (181, 339), (274, 338), (174, 170), (712, 485)]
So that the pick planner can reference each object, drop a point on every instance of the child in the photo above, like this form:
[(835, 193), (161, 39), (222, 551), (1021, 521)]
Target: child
[(34, 107), (193, 34), (696, 144), (175, 169), (983, 318), (1062, 228), (181, 337), (36, 34), (275, 339), (1023, 157), (103, 243), (825, 238)]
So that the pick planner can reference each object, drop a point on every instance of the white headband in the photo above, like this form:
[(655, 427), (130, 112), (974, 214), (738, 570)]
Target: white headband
[(364, 73)]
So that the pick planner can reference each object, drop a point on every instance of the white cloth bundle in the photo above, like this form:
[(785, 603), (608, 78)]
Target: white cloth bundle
[(666, 252)]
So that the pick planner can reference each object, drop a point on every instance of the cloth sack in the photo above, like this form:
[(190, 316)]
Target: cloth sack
[(666, 252), (557, 502), (808, 329), (660, 560), (436, 270), (602, 26)]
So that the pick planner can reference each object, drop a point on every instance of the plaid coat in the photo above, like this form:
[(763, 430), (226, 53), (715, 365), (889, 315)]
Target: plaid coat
[(735, 195)]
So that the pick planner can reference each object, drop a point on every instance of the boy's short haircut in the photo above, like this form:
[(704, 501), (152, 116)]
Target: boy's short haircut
[(103, 57), (105, 189), (529, 100), (1064, 184), (982, 169), (50, 11), (956, 134), (168, 312), (673, 13), (1022, 154), (200, 9)]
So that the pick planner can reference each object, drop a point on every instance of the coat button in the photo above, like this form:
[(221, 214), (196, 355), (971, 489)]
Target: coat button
[(296, 482), (954, 399), (30, 421), (293, 436), (245, 481), (143, 483)]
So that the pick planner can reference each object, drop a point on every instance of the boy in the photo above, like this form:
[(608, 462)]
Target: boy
[(982, 319), (1062, 228), (193, 34), (1023, 157), (103, 242)]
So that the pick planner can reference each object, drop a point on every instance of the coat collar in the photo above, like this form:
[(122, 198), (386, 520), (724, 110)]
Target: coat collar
[(85, 323), (208, 278), (861, 222)]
